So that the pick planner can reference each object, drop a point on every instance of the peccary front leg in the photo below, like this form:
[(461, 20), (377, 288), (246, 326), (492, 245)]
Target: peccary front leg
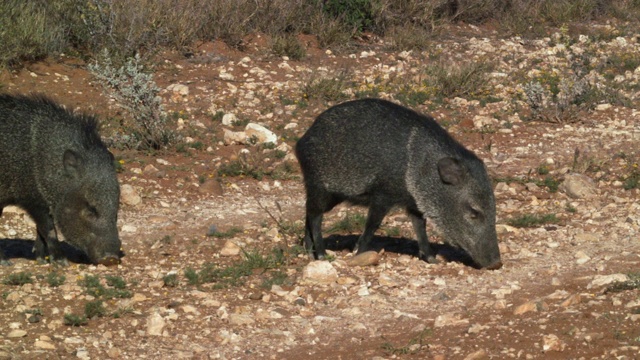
[(47, 246), (420, 228), (377, 212)]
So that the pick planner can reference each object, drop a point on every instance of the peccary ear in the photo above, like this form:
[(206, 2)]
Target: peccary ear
[(451, 171), (72, 163)]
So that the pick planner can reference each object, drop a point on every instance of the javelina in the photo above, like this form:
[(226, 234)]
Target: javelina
[(378, 154), (54, 166)]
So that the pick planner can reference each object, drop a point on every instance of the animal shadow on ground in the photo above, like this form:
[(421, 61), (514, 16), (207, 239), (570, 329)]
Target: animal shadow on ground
[(22, 248), (398, 245)]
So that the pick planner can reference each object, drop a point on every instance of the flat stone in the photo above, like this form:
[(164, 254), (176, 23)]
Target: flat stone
[(602, 280), (18, 333), (319, 272), (230, 249), (578, 186), (364, 259)]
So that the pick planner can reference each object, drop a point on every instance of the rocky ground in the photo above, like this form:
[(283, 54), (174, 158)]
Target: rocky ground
[(212, 270)]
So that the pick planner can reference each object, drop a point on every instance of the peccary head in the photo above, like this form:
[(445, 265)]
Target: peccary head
[(457, 195), (87, 211)]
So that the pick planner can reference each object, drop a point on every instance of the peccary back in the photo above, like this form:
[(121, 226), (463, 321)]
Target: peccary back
[(379, 154), (54, 165)]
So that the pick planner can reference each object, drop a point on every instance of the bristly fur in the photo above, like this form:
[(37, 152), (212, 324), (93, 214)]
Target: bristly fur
[(37, 102)]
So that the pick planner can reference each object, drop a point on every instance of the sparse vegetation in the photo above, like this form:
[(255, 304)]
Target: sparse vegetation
[(94, 309), (171, 280), (352, 222), (288, 45), (532, 220), (412, 347), (232, 275), (126, 28), (326, 88), (54, 279), (632, 178), (75, 320), (116, 287), (231, 232), (632, 284), (19, 278)]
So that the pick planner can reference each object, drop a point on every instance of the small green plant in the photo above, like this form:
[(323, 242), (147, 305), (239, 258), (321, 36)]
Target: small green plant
[(233, 231), (232, 275), (94, 309), (543, 169), (116, 287), (414, 345), (192, 276), (357, 14), (532, 220), (116, 281), (170, 280), (276, 278), (409, 36), (135, 91), (410, 96), (217, 117), (453, 79), (328, 88), (121, 311), (632, 180), (245, 165), (550, 183), (632, 284), (75, 320), (19, 278), (393, 231), (54, 279), (36, 311), (352, 222), (288, 45), (571, 209)]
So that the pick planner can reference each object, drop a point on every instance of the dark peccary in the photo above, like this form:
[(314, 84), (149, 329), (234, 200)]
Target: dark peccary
[(378, 154), (54, 166)]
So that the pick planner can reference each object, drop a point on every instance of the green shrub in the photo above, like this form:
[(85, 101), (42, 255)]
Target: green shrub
[(288, 45), (326, 88), (94, 309), (19, 278), (31, 30), (54, 279), (137, 93), (464, 79), (532, 220), (75, 320), (357, 14)]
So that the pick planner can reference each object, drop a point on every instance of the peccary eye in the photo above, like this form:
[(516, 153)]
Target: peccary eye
[(90, 212)]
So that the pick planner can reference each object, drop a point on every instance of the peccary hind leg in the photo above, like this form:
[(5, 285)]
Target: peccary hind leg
[(3, 259), (313, 241), (317, 204), (419, 227)]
